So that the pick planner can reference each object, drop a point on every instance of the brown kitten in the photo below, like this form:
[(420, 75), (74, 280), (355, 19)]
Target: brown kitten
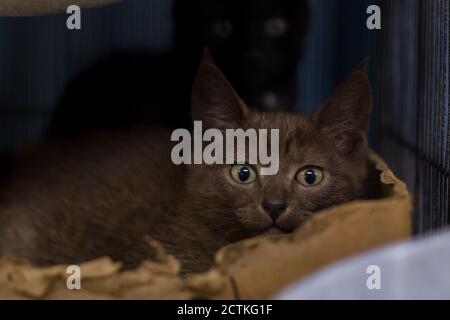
[(75, 200)]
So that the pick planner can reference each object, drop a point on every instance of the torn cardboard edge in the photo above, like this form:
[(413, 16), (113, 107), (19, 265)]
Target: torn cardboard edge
[(256, 268), (11, 8)]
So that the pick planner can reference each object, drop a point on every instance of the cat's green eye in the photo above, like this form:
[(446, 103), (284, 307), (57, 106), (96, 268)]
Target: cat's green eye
[(310, 176), (275, 27), (223, 28), (243, 173)]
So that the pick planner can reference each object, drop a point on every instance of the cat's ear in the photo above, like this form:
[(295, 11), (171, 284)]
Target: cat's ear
[(214, 100), (346, 114)]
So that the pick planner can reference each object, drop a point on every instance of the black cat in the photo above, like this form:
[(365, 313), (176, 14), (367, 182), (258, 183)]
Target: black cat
[(256, 43)]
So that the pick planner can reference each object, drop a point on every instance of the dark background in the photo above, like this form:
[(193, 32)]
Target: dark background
[(409, 61)]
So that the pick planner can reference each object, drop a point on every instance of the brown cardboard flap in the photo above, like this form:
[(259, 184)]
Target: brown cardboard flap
[(43, 7), (252, 269)]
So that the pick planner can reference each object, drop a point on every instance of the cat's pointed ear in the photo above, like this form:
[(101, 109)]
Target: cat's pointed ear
[(346, 114), (214, 100), (207, 58), (363, 66)]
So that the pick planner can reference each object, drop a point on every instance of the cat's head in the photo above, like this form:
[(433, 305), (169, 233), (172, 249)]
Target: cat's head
[(323, 156), (256, 43)]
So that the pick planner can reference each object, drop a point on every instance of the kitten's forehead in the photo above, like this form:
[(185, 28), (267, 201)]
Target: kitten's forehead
[(300, 139), (291, 126)]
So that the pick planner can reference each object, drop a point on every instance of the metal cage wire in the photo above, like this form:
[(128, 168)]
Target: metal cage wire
[(412, 103)]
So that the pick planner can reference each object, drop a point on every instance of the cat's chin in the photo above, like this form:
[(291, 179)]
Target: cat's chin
[(274, 231)]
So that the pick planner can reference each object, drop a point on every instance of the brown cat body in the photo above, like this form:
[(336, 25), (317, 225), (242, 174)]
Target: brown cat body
[(74, 200)]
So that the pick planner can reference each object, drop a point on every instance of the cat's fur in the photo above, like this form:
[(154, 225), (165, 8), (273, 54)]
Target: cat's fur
[(75, 200)]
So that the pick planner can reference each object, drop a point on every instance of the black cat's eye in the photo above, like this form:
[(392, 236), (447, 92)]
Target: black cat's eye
[(222, 28), (310, 176), (243, 173), (275, 27)]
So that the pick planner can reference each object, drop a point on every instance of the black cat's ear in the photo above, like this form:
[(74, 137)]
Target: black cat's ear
[(214, 101), (346, 114)]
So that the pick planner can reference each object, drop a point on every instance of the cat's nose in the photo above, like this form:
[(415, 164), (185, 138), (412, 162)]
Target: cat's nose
[(274, 208)]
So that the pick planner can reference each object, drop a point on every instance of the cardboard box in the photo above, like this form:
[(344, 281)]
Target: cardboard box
[(252, 269)]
